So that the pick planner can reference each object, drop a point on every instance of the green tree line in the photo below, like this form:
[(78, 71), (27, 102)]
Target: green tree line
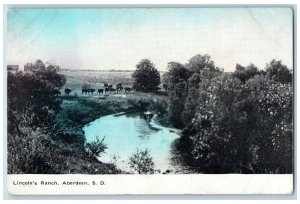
[(240, 122)]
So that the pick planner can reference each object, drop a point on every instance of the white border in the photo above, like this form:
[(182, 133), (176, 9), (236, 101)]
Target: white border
[(151, 184), (111, 2)]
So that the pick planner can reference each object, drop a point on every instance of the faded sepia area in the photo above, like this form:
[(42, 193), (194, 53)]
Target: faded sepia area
[(150, 91)]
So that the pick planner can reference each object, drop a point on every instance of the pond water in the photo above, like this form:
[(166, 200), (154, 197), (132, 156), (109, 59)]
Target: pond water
[(124, 134)]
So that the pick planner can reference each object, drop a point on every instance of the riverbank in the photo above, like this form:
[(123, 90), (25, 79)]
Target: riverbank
[(81, 110)]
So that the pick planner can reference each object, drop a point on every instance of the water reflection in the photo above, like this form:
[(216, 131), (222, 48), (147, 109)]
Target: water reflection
[(124, 134)]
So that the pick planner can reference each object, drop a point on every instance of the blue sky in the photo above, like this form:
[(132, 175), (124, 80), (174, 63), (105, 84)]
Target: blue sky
[(120, 38)]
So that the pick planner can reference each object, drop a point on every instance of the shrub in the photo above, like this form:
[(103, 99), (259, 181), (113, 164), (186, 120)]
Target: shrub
[(140, 104), (96, 147), (77, 113), (141, 162)]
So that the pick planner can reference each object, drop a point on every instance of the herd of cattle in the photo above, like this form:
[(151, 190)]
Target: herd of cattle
[(108, 89), (105, 90)]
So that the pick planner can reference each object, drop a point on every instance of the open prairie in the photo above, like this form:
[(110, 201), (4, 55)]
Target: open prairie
[(96, 79)]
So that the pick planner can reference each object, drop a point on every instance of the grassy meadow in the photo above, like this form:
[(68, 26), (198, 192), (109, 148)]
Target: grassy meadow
[(96, 79)]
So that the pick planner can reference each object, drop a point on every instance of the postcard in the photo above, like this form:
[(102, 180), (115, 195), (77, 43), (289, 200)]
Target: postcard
[(116, 101)]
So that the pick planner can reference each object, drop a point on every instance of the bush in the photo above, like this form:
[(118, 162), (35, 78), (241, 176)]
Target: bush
[(139, 104), (77, 113), (141, 162), (40, 151), (159, 106), (95, 148)]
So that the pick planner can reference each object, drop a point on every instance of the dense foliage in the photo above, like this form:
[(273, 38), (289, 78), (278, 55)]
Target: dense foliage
[(238, 122), (33, 92), (37, 141)]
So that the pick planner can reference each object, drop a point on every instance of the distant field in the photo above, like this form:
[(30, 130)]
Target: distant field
[(75, 79)]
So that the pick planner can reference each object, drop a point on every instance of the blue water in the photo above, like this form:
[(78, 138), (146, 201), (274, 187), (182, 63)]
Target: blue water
[(125, 134)]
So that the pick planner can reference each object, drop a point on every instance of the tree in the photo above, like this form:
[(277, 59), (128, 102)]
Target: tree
[(200, 69), (29, 67), (176, 73), (176, 104), (279, 72), (39, 65), (272, 116), (142, 162), (200, 62), (51, 76), (32, 107), (245, 73), (191, 101), (146, 77), (31, 93), (215, 127)]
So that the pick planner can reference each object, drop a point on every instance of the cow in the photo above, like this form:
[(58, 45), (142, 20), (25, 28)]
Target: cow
[(91, 91), (119, 87), (84, 91), (112, 89), (128, 89), (100, 91), (67, 91), (56, 92), (106, 90)]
